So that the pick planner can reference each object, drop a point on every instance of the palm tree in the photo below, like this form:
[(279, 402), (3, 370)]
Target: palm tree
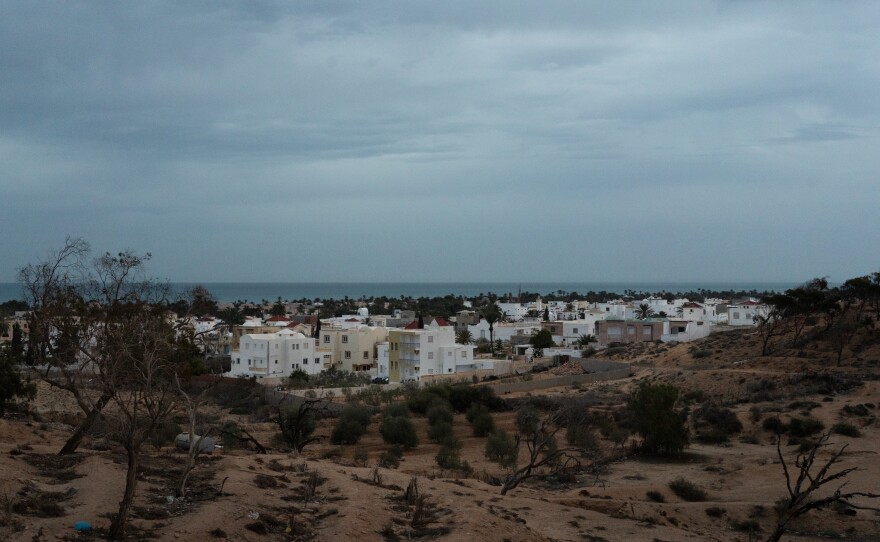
[(644, 311), (585, 340), (464, 337), (491, 313)]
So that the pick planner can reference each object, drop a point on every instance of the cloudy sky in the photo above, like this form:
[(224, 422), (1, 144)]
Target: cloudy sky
[(445, 141)]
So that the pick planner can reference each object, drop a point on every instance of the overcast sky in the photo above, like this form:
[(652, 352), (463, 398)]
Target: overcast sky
[(445, 141)]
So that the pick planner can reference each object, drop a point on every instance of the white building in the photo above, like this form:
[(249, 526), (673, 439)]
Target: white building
[(743, 314), (415, 353), (276, 354)]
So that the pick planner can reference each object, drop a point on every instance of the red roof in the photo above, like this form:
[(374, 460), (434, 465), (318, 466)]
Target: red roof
[(441, 322), (749, 302), (692, 305), (412, 325), (278, 319), (352, 320)]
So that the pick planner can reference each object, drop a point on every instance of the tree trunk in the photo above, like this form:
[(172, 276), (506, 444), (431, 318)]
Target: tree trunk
[(76, 438), (117, 527), (776, 535)]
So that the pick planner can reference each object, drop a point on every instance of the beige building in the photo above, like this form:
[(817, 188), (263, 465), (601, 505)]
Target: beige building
[(352, 349)]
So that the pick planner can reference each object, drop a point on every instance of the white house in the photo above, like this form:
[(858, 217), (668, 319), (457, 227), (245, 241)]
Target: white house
[(415, 353), (276, 354), (743, 314)]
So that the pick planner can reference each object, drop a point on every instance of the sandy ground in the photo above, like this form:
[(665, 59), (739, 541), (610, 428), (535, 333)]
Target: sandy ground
[(267, 497)]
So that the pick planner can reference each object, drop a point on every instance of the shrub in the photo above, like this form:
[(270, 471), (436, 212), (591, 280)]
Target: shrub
[(398, 430), (655, 496), (390, 459), (687, 491), (581, 435), (714, 424), (440, 432), (804, 427), (395, 409), (697, 354), (439, 411), (847, 430), (351, 425), (480, 419), (651, 408), (746, 526), (447, 458), (361, 455), (164, 433), (774, 424), (715, 512), (501, 449)]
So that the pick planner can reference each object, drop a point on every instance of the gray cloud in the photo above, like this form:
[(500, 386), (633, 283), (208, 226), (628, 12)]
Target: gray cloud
[(444, 141)]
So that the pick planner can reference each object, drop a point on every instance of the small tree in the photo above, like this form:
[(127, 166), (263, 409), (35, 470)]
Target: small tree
[(501, 448), (351, 425), (654, 418), (11, 383), (644, 311), (543, 455), (464, 337), (542, 339), (480, 419), (298, 424), (803, 491), (397, 428)]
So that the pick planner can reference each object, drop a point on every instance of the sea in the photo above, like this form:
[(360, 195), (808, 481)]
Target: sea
[(230, 292)]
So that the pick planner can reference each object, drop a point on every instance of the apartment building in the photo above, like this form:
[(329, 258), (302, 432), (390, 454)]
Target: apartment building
[(276, 354), (417, 353)]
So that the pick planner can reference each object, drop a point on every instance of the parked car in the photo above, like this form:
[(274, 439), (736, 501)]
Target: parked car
[(380, 380)]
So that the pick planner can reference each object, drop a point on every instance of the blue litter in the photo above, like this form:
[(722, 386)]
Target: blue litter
[(82, 526)]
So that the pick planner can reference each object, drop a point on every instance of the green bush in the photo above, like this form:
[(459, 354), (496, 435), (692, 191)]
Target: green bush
[(804, 427), (351, 425), (480, 419), (687, 491), (390, 459), (398, 430), (447, 457), (847, 430), (746, 526), (715, 425), (440, 411), (501, 449), (655, 496), (440, 432), (651, 410), (774, 425), (395, 409)]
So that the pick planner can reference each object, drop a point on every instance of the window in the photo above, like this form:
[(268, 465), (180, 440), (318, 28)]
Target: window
[(430, 355), (306, 346), (574, 330), (247, 346), (463, 354), (276, 362), (448, 354), (276, 346), (366, 355), (348, 354), (615, 331), (326, 338), (736, 316), (646, 331), (630, 330), (345, 338), (430, 338), (305, 361)]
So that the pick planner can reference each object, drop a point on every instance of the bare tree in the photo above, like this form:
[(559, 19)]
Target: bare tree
[(803, 492), (142, 373), (297, 424), (543, 455), (192, 407)]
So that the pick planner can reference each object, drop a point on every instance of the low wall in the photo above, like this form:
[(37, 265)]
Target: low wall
[(557, 381)]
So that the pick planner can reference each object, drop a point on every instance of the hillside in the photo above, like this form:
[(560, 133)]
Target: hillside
[(324, 494)]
